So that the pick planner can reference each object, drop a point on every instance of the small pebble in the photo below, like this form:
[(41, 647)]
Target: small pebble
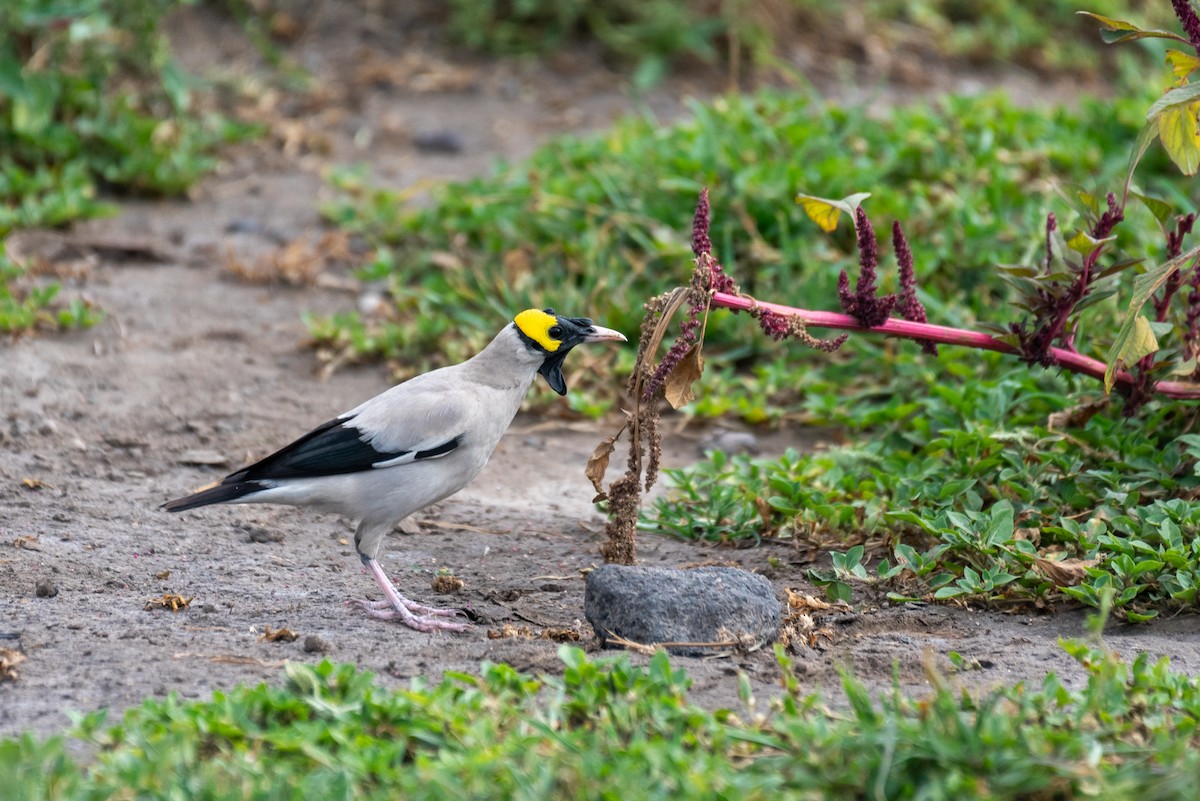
[(315, 645), (260, 534), (45, 588), (439, 142)]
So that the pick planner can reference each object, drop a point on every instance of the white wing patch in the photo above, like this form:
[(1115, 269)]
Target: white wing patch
[(435, 452), (407, 458)]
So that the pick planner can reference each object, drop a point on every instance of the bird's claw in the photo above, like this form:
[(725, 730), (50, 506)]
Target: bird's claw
[(412, 606), (413, 615)]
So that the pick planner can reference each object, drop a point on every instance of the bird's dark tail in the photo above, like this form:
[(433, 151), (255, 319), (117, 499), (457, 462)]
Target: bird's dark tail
[(221, 493)]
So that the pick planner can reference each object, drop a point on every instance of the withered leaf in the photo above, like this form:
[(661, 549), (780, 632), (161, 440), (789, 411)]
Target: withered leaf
[(597, 464), (678, 387), (170, 600), (9, 659), (1076, 416), (676, 299), (278, 635), (1064, 572)]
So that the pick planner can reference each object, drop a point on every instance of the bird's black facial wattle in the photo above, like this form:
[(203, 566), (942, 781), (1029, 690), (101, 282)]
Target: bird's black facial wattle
[(551, 370)]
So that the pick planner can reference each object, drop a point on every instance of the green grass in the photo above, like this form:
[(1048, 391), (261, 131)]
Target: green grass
[(82, 117), (607, 729)]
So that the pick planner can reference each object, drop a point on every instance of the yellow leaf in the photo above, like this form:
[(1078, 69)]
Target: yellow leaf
[(678, 388), (1180, 138), (1182, 64), (820, 211), (1142, 343), (825, 212)]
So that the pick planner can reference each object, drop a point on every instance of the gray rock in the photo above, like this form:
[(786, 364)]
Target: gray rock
[(651, 605)]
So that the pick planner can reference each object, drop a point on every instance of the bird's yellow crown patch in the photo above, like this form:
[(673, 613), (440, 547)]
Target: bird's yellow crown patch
[(536, 324)]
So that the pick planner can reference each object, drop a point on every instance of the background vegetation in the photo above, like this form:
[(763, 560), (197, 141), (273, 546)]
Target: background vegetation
[(91, 104)]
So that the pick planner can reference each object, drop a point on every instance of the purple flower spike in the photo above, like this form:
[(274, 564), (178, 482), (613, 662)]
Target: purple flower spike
[(909, 305), (1183, 227), (1109, 219), (1189, 20), (844, 294), (1051, 227), (868, 309), (868, 257), (701, 244)]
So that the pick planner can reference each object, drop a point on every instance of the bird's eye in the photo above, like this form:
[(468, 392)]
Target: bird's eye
[(556, 331)]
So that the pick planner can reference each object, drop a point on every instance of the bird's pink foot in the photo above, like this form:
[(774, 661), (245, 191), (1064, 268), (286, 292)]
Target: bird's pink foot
[(432, 611), (383, 610), (395, 606), (412, 606)]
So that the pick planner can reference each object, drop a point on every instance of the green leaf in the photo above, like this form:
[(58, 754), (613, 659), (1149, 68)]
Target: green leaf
[(1145, 136), (825, 213), (1095, 297), (12, 83), (33, 110), (1135, 339), (1118, 30), (1113, 269), (175, 84), (1179, 135), (1163, 211), (1000, 526), (1179, 96), (649, 73), (1139, 343), (1138, 617), (955, 487), (1084, 243)]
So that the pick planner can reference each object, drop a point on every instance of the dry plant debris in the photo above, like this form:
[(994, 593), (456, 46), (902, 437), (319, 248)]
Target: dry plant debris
[(509, 631), (9, 659), (802, 620), (169, 600), (447, 583), (296, 263), (278, 635), (729, 641), (28, 542)]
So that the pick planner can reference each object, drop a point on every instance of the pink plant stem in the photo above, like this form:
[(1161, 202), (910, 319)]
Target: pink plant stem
[(1075, 362)]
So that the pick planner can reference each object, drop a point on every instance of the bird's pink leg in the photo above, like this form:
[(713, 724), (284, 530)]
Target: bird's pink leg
[(397, 607)]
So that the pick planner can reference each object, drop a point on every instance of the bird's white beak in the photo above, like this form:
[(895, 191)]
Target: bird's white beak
[(601, 334)]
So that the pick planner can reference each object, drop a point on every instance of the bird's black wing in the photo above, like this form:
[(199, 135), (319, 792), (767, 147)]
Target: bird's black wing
[(330, 449)]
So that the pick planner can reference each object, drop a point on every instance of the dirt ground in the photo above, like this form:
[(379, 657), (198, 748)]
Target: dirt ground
[(192, 374)]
